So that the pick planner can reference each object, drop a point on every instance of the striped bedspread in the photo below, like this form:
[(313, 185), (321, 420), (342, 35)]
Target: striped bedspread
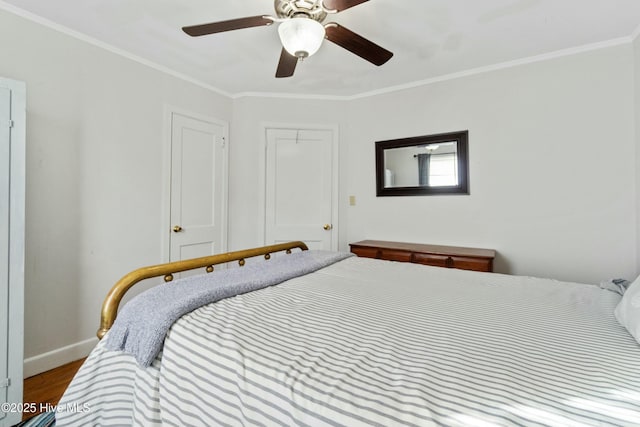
[(376, 343)]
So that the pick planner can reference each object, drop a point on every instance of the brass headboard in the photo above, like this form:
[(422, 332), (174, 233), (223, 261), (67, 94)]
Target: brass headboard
[(112, 301)]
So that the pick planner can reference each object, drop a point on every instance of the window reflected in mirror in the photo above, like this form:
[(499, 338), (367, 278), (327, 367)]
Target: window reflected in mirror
[(431, 164)]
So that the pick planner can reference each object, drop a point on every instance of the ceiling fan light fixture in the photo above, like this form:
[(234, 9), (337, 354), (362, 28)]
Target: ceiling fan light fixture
[(301, 36)]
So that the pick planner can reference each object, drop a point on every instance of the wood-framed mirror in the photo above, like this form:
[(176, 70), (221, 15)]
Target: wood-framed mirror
[(423, 165)]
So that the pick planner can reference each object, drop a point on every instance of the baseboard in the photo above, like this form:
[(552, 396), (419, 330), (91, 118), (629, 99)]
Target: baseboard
[(61, 356)]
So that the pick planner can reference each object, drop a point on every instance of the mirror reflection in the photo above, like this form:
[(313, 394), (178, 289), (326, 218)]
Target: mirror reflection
[(423, 165), (431, 165)]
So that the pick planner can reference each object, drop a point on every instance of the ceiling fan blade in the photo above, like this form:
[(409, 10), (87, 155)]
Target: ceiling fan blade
[(340, 5), (232, 24), (287, 64), (354, 43)]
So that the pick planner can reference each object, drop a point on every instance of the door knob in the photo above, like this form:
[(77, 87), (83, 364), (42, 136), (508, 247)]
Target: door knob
[(327, 227), (177, 229)]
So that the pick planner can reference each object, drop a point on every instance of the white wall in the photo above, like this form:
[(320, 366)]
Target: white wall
[(552, 166), (95, 147)]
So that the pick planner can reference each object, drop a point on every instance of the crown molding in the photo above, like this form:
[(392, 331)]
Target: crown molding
[(495, 67), (283, 95), (453, 76), (390, 89), (110, 48)]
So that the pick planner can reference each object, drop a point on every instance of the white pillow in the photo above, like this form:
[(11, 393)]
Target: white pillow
[(628, 310)]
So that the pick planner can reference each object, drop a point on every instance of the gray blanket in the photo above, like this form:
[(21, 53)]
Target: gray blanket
[(142, 324)]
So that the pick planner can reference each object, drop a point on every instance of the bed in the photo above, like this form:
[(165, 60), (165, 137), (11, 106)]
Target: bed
[(365, 342)]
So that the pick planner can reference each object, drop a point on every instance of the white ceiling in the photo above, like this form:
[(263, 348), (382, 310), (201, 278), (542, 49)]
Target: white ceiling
[(429, 38)]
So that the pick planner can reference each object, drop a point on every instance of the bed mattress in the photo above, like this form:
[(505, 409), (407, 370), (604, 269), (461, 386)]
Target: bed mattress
[(366, 342)]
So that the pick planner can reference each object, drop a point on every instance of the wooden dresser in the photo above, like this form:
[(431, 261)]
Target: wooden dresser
[(440, 256)]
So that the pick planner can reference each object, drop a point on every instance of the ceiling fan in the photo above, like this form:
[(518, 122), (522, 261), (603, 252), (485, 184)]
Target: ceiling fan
[(302, 31)]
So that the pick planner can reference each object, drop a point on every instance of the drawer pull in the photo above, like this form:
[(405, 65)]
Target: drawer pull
[(449, 262)]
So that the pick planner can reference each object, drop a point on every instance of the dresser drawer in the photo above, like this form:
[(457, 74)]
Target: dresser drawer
[(432, 259), (395, 255), (475, 264), (382, 253), (454, 261), (366, 252)]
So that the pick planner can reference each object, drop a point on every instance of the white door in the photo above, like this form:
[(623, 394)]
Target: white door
[(5, 170), (12, 203), (301, 187), (198, 187)]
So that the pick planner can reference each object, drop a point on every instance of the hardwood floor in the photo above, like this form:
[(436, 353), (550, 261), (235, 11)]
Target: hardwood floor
[(48, 387)]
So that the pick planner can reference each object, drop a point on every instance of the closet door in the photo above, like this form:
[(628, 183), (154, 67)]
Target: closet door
[(5, 167), (12, 221), (198, 208), (301, 187)]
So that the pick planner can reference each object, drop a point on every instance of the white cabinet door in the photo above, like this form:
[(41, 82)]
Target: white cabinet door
[(300, 182)]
